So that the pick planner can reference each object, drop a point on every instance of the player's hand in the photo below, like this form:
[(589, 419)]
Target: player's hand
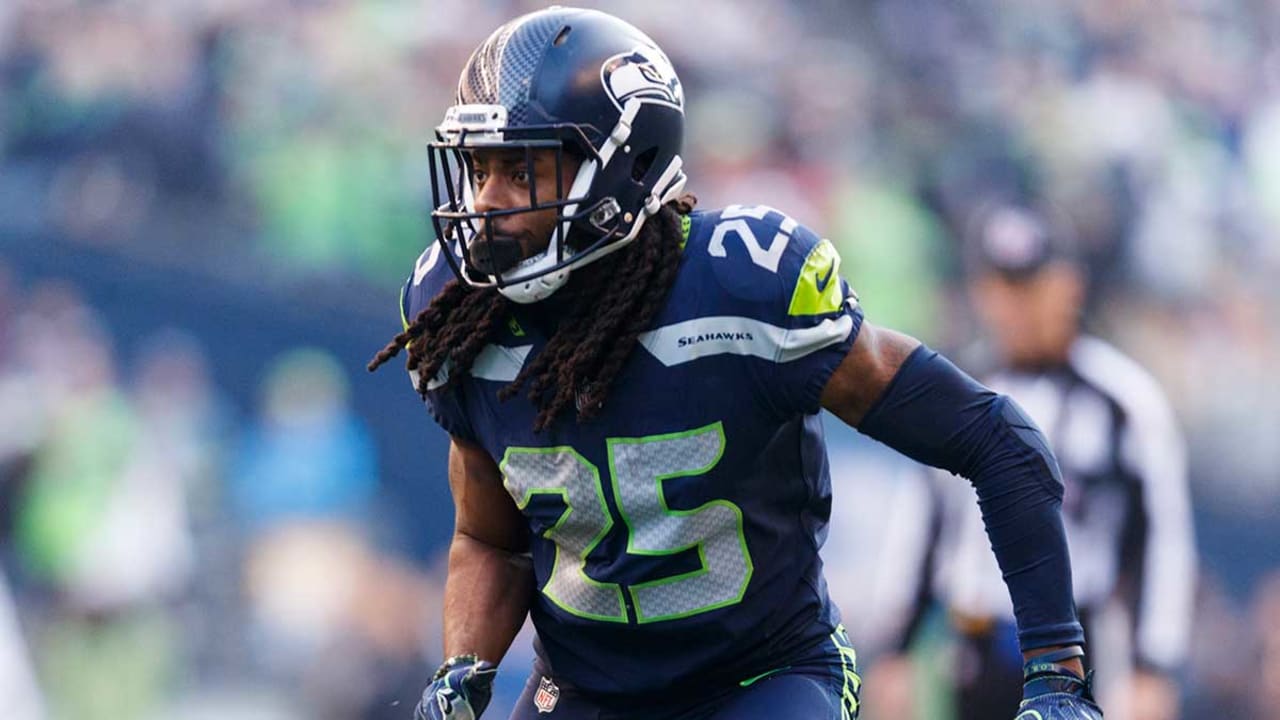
[(1051, 691), (460, 690)]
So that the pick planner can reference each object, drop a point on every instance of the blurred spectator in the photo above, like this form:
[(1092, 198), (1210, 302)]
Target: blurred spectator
[(185, 423), (102, 539), (39, 377), (16, 437), (327, 610), (307, 457), (20, 698)]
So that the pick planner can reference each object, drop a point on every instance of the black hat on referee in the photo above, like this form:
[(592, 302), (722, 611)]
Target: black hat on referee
[(1016, 242)]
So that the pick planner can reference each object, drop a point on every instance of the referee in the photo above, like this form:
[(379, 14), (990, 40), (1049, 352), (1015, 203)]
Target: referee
[(1126, 507)]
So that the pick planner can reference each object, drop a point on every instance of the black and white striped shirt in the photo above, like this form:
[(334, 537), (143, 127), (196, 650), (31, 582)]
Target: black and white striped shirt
[(1126, 506)]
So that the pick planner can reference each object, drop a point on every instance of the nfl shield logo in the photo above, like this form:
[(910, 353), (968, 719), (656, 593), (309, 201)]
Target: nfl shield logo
[(547, 695)]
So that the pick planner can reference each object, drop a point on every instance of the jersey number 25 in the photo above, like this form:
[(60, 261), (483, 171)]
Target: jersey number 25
[(637, 469)]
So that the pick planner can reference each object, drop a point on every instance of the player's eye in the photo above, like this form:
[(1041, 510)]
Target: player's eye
[(478, 177), (520, 176)]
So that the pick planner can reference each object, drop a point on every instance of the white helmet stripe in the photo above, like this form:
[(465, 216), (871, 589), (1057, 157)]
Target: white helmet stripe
[(618, 136)]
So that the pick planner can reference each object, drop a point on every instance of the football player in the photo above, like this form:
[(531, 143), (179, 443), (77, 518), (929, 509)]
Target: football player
[(632, 389)]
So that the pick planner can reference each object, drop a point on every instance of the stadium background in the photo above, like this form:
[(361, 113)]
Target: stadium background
[(207, 208)]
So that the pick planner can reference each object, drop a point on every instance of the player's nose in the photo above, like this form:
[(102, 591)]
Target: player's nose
[(495, 194)]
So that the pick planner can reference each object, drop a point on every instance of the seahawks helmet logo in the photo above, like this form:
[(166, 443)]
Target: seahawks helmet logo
[(644, 74)]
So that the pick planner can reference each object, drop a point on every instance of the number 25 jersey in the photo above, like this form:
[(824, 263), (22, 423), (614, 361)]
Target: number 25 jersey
[(675, 536)]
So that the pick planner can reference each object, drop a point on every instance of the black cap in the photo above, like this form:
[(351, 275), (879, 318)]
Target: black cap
[(1016, 242)]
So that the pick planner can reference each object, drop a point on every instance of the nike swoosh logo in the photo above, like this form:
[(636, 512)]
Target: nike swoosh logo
[(753, 680), (822, 282)]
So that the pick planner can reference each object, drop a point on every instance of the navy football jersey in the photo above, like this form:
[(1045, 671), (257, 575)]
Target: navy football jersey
[(675, 536)]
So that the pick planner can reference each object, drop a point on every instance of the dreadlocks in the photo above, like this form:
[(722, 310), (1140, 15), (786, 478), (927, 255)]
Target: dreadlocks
[(610, 303)]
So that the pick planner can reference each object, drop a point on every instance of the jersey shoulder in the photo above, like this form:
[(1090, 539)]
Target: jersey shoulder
[(431, 271), (760, 255)]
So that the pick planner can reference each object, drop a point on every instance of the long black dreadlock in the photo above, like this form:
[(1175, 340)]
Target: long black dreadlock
[(610, 303)]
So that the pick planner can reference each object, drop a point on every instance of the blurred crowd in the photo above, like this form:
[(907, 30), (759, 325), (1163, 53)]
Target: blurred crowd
[(166, 555), (282, 143)]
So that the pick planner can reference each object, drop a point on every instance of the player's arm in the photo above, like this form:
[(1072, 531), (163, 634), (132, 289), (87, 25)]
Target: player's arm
[(898, 391), (488, 589), (490, 582)]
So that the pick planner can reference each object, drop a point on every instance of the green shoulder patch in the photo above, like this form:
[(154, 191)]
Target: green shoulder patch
[(818, 287)]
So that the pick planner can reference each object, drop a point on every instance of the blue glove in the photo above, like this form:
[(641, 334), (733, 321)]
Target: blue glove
[(460, 690), (1050, 691)]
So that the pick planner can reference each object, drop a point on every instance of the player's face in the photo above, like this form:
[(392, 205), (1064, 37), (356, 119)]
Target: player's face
[(504, 180), (1033, 320)]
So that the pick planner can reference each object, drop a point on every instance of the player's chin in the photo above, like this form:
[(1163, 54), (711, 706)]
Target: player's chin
[(496, 254)]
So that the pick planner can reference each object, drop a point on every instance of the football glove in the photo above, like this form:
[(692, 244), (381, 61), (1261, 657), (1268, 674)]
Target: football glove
[(460, 690), (1051, 691)]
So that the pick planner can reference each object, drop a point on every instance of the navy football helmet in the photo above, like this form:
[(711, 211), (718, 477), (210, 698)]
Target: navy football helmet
[(573, 81)]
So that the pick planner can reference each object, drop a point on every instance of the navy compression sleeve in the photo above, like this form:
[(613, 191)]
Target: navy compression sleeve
[(934, 413)]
